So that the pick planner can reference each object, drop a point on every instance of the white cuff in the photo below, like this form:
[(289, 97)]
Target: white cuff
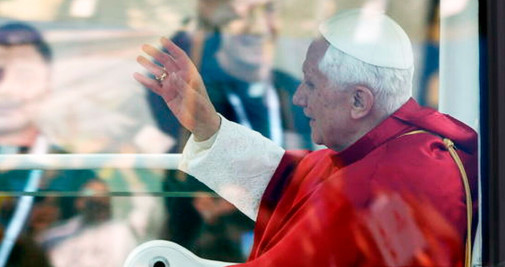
[(237, 163)]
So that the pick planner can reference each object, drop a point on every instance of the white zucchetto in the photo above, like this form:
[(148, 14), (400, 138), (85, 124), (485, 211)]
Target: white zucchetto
[(370, 36)]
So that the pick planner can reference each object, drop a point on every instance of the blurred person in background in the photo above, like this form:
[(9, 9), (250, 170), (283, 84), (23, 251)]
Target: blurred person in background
[(26, 253), (231, 42), (25, 75), (24, 82), (25, 87), (69, 210), (25, 61), (92, 237)]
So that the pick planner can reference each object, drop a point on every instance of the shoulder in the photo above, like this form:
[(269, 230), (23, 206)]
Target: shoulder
[(308, 160), (307, 157), (409, 152), (419, 162), (424, 145), (318, 155)]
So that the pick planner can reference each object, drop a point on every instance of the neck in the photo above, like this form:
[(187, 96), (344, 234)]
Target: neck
[(365, 126)]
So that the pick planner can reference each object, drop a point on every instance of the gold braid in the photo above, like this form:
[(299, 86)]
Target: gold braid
[(464, 178)]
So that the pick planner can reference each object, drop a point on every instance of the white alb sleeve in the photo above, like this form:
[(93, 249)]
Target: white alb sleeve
[(237, 163)]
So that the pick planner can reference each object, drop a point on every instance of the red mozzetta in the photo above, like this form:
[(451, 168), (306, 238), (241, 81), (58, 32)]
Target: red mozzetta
[(324, 208)]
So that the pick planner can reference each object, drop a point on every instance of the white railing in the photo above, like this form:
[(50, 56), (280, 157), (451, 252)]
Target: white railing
[(88, 161)]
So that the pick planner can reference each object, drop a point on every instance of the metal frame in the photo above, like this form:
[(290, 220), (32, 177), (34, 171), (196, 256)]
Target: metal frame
[(492, 31), (88, 161)]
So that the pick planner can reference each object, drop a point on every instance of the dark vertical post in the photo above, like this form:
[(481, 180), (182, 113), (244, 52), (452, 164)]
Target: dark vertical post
[(492, 30)]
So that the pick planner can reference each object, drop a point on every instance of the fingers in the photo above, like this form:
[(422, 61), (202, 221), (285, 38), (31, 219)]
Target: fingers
[(148, 82), (151, 67), (179, 56), (169, 89), (165, 59)]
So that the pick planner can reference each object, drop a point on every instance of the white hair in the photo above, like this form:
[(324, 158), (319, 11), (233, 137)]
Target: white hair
[(391, 87)]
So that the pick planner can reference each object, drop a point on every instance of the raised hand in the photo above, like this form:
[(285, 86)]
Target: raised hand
[(180, 85)]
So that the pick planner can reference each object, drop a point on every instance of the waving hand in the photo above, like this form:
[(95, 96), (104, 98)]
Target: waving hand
[(180, 85)]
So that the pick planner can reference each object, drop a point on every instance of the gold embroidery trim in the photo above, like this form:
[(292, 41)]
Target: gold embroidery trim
[(464, 178)]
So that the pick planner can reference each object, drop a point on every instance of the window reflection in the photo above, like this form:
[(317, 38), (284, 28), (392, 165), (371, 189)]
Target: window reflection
[(83, 100)]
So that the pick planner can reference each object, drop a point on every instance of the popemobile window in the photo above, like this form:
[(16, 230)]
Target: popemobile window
[(247, 132)]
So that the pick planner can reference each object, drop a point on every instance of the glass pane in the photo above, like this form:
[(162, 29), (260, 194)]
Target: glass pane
[(66, 88), (102, 231)]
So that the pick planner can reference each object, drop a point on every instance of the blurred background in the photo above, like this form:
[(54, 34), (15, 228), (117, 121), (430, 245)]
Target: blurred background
[(95, 43), (83, 99)]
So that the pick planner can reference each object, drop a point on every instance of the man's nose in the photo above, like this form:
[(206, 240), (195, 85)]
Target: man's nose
[(299, 97)]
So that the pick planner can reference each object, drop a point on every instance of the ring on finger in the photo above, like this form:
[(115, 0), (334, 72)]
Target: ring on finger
[(161, 77)]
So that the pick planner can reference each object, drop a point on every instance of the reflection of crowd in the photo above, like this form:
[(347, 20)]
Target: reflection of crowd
[(48, 230), (24, 76), (61, 230), (24, 81), (232, 42), (92, 237)]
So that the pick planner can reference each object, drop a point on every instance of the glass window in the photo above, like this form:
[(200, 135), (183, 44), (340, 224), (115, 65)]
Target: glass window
[(110, 184)]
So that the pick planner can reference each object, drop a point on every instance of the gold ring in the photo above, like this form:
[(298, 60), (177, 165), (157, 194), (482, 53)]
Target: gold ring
[(161, 77)]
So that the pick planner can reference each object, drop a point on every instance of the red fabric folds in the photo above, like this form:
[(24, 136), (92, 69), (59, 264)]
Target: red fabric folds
[(388, 199)]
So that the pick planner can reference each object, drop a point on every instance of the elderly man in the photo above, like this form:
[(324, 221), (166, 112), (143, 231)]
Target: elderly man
[(387, 191)]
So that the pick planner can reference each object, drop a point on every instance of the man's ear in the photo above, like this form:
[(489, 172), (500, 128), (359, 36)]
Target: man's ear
[(362, 102)]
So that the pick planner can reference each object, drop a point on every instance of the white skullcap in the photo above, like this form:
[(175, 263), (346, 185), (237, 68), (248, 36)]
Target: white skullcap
[(370, 36)]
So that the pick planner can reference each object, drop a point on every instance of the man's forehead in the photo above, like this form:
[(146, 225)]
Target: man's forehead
[(319, 46), (315, 53)]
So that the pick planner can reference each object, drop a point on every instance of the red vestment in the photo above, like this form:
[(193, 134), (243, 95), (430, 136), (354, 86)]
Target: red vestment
[(311, 213)]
